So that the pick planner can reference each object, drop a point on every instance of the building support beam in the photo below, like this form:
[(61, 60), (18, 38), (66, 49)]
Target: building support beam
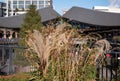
[(10, 67)]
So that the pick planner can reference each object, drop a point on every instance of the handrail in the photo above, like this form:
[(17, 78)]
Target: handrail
[(9, 41)]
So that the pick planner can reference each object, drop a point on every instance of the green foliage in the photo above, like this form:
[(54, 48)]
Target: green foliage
[(17, 77), (20, 59), (16, 10), (13, 79), (23, 9), (32, 21), (64, 68)]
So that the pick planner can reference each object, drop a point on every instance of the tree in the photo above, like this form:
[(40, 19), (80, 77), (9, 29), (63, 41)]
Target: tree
[(23, 9), (32, 21), (16, 10)]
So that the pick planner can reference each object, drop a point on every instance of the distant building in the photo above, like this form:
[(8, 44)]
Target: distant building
[(23, 5), (107, 9), (64, 11), (2, 9), (101, 8)]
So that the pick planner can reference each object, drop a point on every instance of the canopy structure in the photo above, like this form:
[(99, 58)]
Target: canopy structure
[(47, 14), (92, 17)]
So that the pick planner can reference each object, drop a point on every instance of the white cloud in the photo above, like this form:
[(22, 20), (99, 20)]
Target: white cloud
[(114, 3)]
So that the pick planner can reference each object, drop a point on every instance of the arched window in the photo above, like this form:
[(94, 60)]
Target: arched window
[(1, 34), (13, 35), (8, 34)]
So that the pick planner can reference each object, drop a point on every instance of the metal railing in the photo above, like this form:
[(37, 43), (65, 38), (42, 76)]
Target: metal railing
[(9, 41), (108, 69)]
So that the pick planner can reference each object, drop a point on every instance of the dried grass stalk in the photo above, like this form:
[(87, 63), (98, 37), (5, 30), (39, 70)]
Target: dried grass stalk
[(56, 50)]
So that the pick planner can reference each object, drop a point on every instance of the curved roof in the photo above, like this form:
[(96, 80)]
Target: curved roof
[(93, 17), (12, 22), (15, 21)]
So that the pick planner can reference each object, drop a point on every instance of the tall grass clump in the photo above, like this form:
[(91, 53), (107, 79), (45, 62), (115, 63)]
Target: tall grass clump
[(62, 54)]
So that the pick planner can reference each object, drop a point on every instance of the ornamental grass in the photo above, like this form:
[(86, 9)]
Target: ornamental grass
[(62, 54)]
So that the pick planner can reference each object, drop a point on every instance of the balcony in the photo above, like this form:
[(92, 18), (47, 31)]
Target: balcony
[(6, 41)]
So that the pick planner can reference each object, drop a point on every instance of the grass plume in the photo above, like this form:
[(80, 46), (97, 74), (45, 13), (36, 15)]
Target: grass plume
[(62, 54)]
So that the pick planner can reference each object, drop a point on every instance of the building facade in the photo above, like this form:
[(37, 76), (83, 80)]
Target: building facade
[(107, 9), (2, 9), (23, 5)]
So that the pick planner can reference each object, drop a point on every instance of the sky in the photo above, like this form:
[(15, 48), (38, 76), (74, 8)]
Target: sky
[(60, 5)]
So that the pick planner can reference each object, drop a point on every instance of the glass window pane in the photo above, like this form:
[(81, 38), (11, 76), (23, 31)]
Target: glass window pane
[(9, 2), (41, 2), (14, 6), (14, 2), (8, 5), (4, 5), (21, 6), (21, 2), (41, 6), (0, 5), (47, 2), (47, 5), (27, 6), (0, 13), (27, 2), (34, 2)]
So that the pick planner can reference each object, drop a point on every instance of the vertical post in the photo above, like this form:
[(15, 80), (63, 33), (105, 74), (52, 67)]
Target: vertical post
[(24, 5), (11, 32), (37, 4), (10, 60), (111, 68), (17, 4), (4, 33), (30, 1), (44, 4), (102, 72), (106, 68), (116, 65), (3, 54), (16, 35), (11, 7), (51, 2), (7, 8)]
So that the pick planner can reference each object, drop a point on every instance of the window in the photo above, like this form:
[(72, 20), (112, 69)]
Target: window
[(9, 2), (14, 2), (47, 5), (27, 2), (21, 2), (21, 6), (0, 5), (0, 13), (9, 6), (47, 2), (14, 6), (4, 5), (41, 6), (34, 2), (41, 2), (8, 34), (27, 6)]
